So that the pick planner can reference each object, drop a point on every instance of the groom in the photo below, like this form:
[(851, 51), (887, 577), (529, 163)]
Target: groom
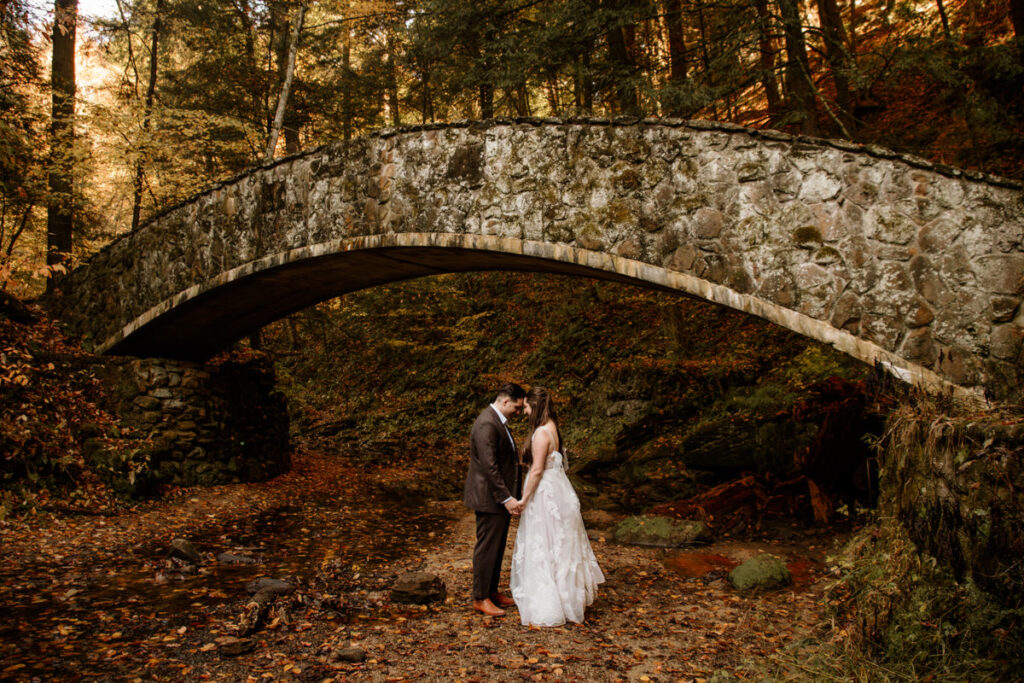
[(492, 489)]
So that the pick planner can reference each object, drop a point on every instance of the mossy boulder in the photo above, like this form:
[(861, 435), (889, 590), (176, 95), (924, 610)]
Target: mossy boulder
[(661, 531), (763, 572)]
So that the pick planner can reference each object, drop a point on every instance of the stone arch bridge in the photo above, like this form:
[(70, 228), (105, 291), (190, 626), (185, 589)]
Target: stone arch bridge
[(886, 257)]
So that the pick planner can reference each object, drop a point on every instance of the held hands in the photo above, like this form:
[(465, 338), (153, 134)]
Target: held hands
[(515, 507)]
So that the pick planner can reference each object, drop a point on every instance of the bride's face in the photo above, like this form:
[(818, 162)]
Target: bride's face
[(527, 410)]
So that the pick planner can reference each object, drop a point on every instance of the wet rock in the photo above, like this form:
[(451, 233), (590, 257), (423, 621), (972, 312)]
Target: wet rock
[(419, 588), (664, 532), (231, 558), (184, 550), (348, 654), (272, 586), (760, 573), (232, 646)]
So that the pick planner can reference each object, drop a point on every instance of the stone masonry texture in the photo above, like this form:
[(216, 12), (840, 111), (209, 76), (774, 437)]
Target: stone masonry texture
[(887, 257)]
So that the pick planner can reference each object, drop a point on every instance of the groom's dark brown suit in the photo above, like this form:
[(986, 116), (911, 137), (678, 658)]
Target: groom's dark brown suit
[(492, 479)]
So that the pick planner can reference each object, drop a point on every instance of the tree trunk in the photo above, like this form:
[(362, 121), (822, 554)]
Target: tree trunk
[(346, 97), (286, 85), (583, 87), (838, 56), (551, 94), (147, 115), (396, 117), (624, 69), (709, 75), (767, 63), (800, 94), (259, 106), (486, 100), (60, 209), (428, 101), (292, 145), (945, 21), (676, 51), (1017, 16)]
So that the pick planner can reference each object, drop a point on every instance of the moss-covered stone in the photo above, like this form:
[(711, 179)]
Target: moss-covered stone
[(763, 572), (661, 531)]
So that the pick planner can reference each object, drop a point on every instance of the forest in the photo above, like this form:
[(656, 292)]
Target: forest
[(671, 406), (110, 120)]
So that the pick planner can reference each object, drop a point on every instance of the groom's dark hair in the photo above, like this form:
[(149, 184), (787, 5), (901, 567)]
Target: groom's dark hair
[(512, 390)]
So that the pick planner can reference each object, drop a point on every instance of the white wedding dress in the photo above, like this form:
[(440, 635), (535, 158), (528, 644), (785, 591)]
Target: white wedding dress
[(554, 573)]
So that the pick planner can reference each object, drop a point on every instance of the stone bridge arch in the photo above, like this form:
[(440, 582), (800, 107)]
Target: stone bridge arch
[(886, 257)]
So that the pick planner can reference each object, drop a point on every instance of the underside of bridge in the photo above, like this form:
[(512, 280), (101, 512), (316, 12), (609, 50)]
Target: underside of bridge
[(211, 321)]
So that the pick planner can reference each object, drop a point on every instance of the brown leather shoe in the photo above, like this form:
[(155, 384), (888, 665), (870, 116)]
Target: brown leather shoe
[(487, 607), (501, 601)]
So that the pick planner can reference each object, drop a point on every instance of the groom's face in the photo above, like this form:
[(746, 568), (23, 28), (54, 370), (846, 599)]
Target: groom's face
[(510, 407)]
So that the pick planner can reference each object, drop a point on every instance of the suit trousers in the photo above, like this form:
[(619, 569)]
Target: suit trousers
[(491, 535)]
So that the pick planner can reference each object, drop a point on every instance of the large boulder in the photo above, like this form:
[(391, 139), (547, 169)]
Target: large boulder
[(763, 572), (418, 588), (665, 532)]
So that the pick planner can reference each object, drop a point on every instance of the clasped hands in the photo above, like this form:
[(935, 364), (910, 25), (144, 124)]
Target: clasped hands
[(515, 507)]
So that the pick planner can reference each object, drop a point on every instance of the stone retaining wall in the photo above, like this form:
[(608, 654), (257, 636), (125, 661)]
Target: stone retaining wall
[(183, 423)]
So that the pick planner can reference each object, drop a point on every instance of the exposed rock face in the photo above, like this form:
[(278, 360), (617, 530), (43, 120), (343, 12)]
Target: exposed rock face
[(887, 257)]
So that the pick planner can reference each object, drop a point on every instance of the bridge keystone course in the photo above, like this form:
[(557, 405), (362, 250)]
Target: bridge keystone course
[(886, 257)]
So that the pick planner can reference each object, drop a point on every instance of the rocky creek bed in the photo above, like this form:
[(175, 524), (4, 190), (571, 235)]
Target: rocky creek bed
[(90, 597)]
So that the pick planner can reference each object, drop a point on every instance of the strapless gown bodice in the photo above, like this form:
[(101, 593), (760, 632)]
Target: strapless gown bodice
[(555, 574)]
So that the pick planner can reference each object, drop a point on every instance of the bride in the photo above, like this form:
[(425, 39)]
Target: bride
[(554, 572)]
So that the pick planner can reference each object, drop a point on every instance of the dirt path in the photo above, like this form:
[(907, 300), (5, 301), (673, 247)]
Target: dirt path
[(95, 598)]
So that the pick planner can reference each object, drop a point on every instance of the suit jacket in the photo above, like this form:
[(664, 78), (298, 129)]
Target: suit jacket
[(493, 474)]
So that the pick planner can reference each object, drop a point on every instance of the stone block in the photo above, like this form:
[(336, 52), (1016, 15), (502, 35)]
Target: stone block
[(918, 347), (847, 312), (936, 236), (1006, 341), (920, 315), (147, 403), (926, 280), (1001, 273), (780, 288), (683, 259), (631, 249), (708, 223), (1004, 309), (951, 364), (887, 224)]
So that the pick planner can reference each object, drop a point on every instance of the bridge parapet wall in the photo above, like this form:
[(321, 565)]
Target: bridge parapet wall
[(889, 258)]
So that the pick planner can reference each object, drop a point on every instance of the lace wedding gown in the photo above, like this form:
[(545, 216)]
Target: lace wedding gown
[(554, 572)]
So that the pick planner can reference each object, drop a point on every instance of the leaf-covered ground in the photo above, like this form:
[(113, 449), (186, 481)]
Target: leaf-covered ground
[(96, 597)]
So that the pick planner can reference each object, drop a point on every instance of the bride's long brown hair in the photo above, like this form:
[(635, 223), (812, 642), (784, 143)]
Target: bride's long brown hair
[(542, 409)]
